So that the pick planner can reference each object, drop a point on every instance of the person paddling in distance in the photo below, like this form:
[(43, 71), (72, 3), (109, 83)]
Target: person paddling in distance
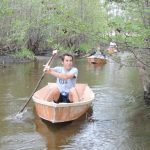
[(66, 77)]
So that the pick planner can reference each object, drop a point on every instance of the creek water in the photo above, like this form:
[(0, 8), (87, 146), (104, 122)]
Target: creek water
[(117, 120)]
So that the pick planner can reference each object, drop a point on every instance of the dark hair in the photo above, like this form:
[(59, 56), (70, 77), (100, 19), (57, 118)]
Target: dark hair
[(66, 54)]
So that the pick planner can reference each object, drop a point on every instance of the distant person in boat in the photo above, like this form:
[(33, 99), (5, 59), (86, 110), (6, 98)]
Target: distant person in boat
[(97, 52), (66, 77), (113, 46), (92, 52)]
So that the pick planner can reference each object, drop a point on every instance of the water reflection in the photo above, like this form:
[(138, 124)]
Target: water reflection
[(95, 66), (58, 135)]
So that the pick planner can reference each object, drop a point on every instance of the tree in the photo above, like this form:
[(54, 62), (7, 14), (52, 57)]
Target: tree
[(37, 24), (132, 31)]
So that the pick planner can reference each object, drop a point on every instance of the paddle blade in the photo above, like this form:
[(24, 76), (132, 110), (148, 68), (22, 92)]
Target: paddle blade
[(19, 115)]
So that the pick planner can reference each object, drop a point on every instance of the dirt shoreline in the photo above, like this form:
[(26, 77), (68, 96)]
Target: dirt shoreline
[(16, 60)]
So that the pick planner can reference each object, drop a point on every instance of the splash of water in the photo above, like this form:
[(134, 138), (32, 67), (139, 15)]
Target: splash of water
[(16, 117), (19, 115)]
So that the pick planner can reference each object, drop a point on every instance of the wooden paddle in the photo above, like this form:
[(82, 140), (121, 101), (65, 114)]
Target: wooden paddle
[(48, 64)]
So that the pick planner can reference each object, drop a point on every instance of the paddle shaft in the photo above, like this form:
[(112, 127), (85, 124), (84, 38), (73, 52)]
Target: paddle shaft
[(48, 63)]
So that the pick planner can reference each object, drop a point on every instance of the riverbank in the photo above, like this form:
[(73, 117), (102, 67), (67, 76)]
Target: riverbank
[(13, 59), (17, 60)]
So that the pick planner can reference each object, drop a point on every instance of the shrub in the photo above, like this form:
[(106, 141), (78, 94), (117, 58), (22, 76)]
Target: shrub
[(25, 53)]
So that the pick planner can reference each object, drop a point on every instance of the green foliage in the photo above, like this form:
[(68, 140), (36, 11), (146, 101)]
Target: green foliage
[(5, 10), (133, 28), (58, 47), (54, 21), (75, 18), (25, 53), (63, 23), (84, 47)]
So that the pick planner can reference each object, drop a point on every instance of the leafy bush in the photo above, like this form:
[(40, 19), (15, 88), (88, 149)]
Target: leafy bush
[(25, 53), (84, 47)]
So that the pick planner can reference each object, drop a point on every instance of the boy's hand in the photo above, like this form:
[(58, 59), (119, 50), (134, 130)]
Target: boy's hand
[(54, 52), (46, 68)]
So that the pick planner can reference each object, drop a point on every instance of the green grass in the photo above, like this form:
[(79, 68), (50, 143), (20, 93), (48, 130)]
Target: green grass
[(25, 53)]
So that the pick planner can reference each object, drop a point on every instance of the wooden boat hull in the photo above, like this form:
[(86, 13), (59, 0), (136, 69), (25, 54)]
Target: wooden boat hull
[(63, 112), (96, 60)]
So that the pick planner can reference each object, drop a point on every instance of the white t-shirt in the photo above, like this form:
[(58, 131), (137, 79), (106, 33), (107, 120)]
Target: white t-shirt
[(113, 44), (64, 86)]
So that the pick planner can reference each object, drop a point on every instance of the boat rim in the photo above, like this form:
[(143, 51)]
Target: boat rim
[(53, 104)]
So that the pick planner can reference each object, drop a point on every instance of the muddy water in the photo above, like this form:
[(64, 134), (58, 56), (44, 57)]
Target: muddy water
[(117, 120)]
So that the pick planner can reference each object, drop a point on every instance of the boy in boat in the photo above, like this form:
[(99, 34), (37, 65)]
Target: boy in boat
[(112, 48), (66, 77)]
